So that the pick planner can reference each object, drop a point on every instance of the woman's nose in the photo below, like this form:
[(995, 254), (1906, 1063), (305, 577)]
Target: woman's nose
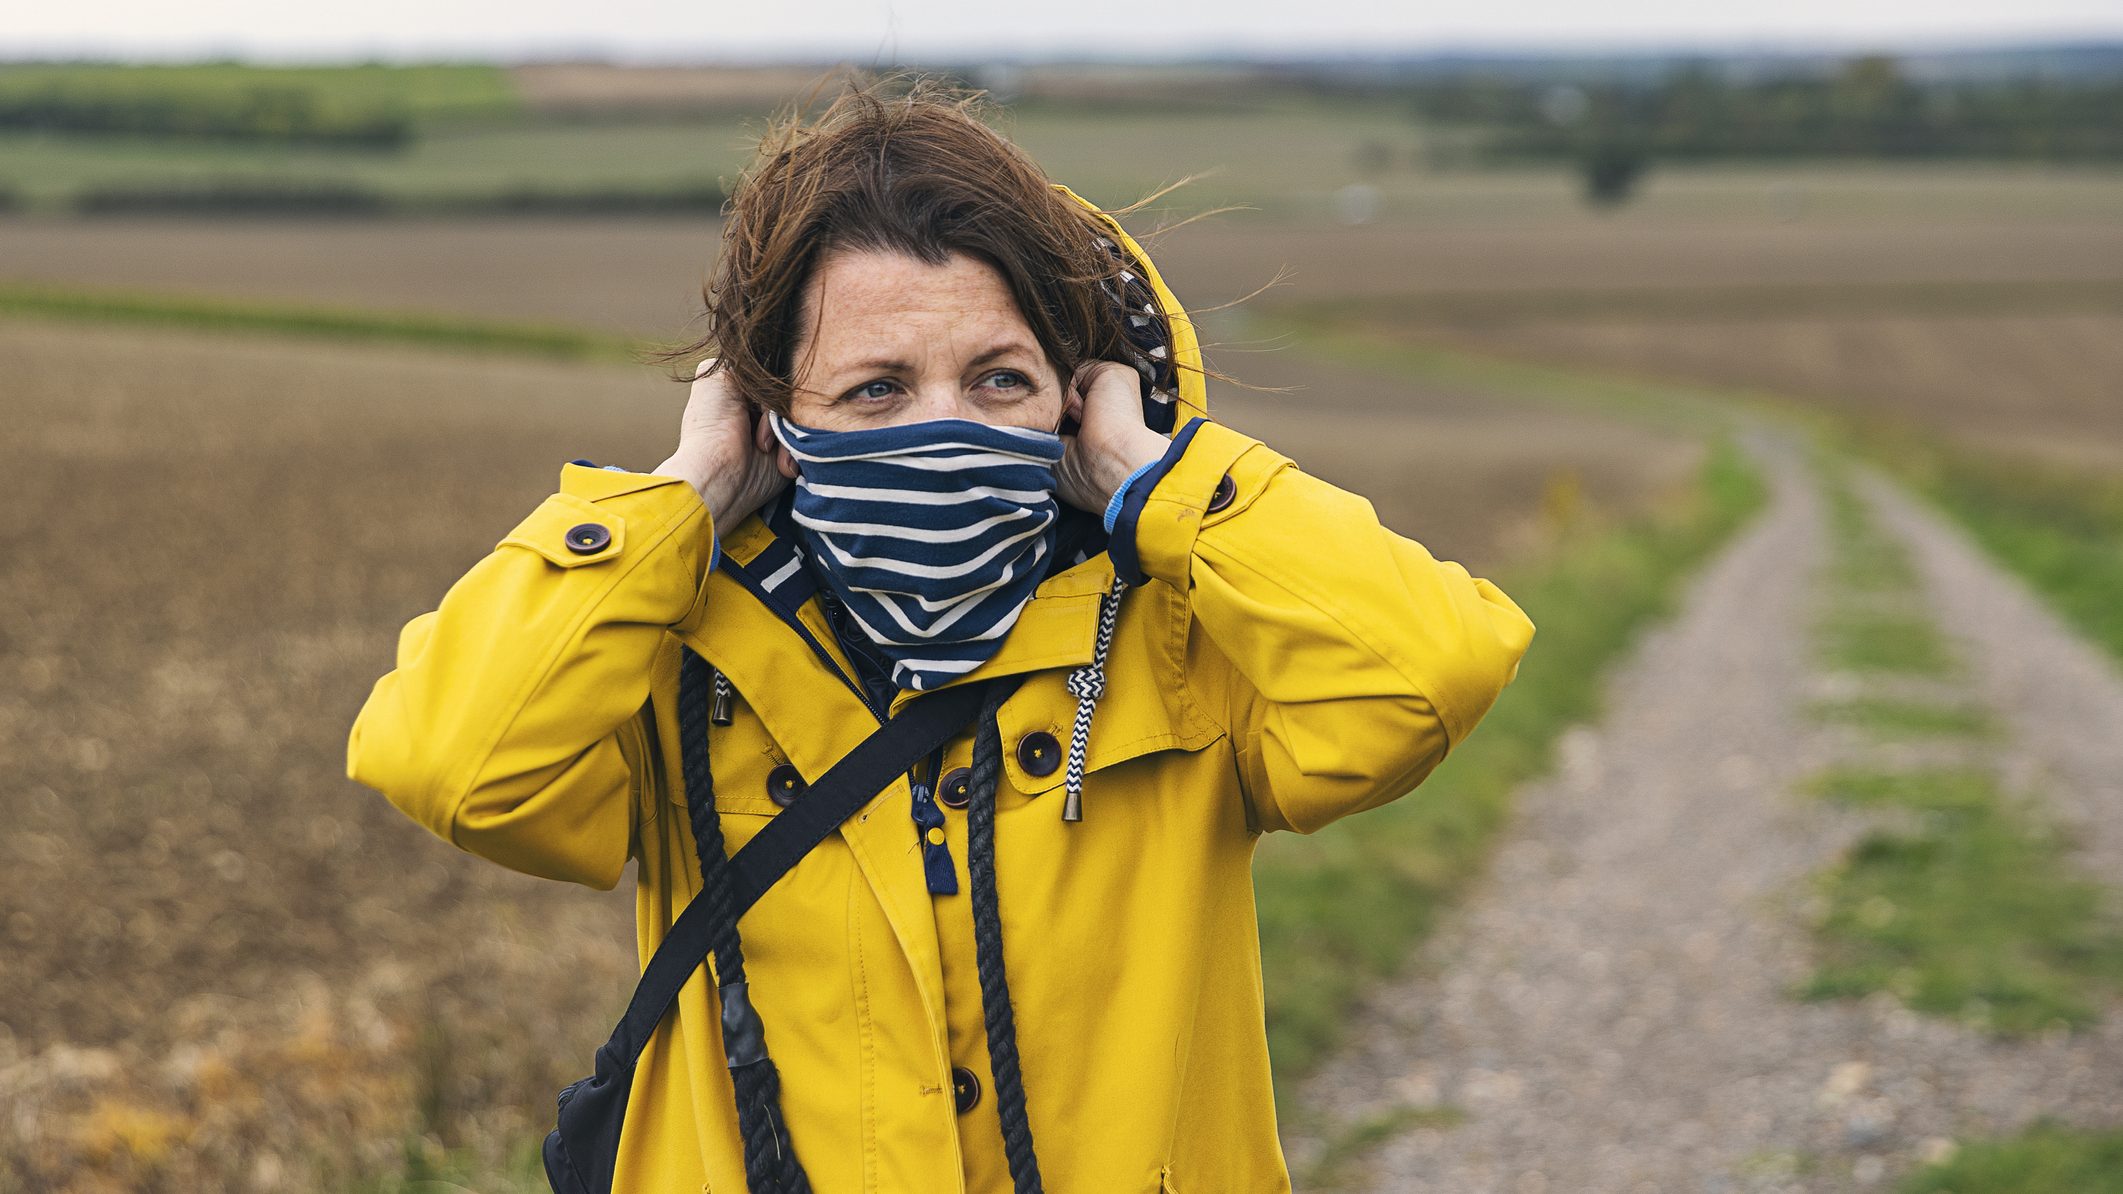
[(941, 401)]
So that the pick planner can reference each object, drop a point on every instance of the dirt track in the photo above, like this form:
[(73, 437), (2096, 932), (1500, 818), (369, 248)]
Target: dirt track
[(1607, 1012)]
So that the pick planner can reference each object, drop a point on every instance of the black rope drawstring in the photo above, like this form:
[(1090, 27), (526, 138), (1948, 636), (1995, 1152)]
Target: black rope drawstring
[(770, 1163), (1000, 1022), (1088, 684)]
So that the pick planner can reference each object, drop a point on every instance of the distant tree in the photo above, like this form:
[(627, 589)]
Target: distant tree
[(1611, 166)]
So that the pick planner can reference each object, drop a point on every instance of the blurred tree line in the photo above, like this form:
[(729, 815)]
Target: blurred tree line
[(262, 195), (270, 113), (1868, 108)]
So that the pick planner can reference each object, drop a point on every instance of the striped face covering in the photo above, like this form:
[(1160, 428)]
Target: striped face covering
[(933, 534)]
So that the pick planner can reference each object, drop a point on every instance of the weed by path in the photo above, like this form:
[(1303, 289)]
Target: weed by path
[(1969, 915), (1896, 718), (2046, 1159)]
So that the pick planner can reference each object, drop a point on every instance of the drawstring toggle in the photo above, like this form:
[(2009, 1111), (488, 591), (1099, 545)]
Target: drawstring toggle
[(1087, 684)]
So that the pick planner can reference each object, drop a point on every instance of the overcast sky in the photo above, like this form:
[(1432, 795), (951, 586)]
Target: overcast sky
[(874, 30)]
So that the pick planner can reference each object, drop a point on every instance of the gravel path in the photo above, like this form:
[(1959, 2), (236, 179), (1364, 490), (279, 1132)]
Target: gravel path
[(1607, 1011)]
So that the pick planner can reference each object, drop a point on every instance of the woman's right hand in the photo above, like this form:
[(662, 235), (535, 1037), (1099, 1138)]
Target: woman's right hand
[(727, 456)]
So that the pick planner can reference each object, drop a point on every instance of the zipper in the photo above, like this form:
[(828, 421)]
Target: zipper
[(836, 615)]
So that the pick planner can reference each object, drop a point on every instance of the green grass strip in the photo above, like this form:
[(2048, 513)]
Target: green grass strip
[(1898, 717), (1898, 642), (425, 89), (1862, 558), (425, 1167), (1875, 622), (2046, 1159), (1333, 1168), (1342, 908), (1944, 789), (1973, 914), (214, 314)]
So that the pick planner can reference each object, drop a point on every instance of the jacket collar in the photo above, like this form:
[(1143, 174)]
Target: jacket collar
[(760, 621)]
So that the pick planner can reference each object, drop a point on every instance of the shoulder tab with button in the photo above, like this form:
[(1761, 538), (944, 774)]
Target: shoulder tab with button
[(570, 531)]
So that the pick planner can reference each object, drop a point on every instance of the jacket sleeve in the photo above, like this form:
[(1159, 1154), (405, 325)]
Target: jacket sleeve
[(1354, 660), (502, 727)]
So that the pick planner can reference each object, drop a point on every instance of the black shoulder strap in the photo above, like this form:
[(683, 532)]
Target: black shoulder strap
[(925, 724)]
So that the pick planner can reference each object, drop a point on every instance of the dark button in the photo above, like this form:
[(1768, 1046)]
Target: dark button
[(588, 538), (1038, 753), (1226, 489), (784, 784), (956, 790), (965, 1088)]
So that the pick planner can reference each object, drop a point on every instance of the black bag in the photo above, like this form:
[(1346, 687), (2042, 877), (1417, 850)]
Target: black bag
[(581, 1152)]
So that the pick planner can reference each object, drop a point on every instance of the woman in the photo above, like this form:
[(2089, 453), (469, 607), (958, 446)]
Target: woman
[(1030, 961)]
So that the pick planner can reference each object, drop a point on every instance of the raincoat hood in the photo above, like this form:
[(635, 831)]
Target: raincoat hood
[(1173, 383), (1174, 389)]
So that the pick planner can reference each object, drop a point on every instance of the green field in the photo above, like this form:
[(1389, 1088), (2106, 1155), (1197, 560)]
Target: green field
[(430, 90), (1283, 152)]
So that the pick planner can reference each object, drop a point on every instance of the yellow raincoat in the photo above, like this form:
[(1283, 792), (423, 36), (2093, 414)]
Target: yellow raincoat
[(1290, 662)]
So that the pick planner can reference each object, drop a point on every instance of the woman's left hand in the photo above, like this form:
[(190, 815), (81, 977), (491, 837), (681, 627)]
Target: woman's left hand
[(1111, 441)]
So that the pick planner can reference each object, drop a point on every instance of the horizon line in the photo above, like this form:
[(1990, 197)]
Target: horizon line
[(1228, 53)]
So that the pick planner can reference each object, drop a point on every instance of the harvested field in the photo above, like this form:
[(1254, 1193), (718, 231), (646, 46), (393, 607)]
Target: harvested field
[(2025, 368), (638, 277), (1473, 478), (2039, 385), (1501, 234), (227, 964), (224, 961)]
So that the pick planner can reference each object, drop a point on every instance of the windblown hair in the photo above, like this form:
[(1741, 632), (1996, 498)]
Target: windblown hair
[(912, 170)]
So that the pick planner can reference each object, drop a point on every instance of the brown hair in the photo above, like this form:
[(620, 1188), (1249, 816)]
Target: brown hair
[(906, 166)]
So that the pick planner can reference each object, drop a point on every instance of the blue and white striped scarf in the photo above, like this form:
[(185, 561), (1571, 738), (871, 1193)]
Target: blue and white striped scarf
[(933, 534)]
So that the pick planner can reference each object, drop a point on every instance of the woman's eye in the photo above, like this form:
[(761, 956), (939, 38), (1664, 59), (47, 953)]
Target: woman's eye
[(872, 390), (1008, 379)]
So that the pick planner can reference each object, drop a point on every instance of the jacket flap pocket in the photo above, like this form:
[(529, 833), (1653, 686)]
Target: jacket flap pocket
[(1129, 720), (749, 769)]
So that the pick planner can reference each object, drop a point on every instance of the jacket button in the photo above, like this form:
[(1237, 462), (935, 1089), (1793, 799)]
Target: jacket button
[(965, 1088), (784, 784), (956, 790), (588, 538), (1226, 490), (1038, 753)]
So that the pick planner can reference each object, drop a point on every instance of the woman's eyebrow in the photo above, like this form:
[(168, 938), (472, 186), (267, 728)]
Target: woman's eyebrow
[(895, 365), (1001, 350), (879, 365)]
